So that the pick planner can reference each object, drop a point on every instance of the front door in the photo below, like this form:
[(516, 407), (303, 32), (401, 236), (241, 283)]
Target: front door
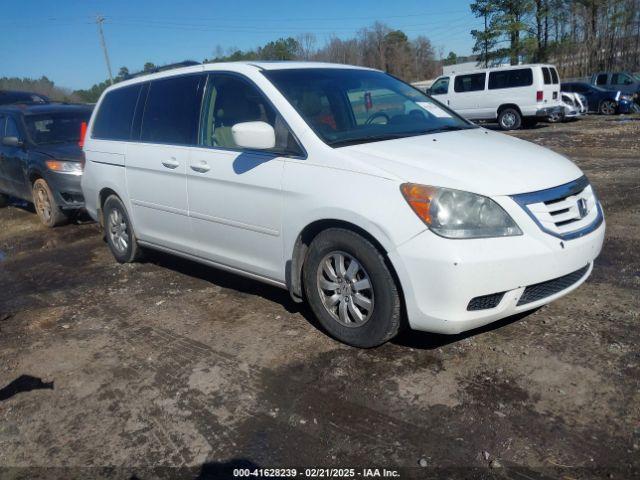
[(15, 160), (156, 165), (235, 199), (468, 95)]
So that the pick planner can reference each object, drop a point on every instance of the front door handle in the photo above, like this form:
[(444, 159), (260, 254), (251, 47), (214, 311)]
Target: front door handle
[(172, 163), (201, 167)]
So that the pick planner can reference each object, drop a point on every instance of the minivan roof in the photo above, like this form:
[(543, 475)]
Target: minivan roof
[(239, 67)]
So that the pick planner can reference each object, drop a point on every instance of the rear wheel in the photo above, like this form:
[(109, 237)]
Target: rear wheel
[(119, 231), (510, 119), (351, 290), (44, 202), (608, 107)]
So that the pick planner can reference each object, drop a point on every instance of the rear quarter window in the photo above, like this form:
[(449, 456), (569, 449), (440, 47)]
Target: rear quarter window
[(521, 77), (115, 114)]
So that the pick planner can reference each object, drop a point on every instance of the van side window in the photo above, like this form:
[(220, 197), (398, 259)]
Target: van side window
[(172, 110), (229, 99), (469, 83), (554, 76), (601, 79), (115, 114), (440, 87), (521, 77), (546, 75)]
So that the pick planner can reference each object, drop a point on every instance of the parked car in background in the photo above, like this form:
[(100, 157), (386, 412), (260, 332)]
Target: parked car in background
[(344, 185), (573, 108), (513, 96), (8, 97), (40, 158), (625, 82), (605, 102)]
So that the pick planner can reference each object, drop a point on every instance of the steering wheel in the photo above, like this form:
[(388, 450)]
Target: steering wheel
[(370, 120)]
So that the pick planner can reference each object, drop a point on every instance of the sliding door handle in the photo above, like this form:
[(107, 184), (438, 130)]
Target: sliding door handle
[(173, 163)]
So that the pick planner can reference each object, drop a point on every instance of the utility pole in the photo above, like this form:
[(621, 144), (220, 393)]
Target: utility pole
[(99, 22)]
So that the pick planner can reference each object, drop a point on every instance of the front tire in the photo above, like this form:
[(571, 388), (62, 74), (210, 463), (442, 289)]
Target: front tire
[(119, 231), (607, 107), (351, 290), (510, 119), (44, 202)]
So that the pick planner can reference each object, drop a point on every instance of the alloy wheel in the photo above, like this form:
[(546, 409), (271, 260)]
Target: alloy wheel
[(345, 289), (118, 231), (43, 203)]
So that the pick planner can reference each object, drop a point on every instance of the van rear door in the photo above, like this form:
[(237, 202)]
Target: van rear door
[(550, 86)]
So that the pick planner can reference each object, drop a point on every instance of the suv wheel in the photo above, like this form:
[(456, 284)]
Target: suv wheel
[(608, 107), (119, 231), (350, 289), (44, 202), (510, 119)]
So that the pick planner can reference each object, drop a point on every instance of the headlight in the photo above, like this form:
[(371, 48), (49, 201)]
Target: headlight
[(457, 214), (72, 168)]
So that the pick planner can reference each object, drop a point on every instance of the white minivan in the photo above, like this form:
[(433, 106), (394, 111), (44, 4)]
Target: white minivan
[(514, 96), (356, 192)]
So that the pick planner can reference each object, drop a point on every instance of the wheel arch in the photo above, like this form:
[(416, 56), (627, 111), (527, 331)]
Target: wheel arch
[(103, 194), (293, 268), (508, 105)]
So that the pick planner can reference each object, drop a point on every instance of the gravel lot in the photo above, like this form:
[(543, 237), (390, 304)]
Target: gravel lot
[(169, 363)]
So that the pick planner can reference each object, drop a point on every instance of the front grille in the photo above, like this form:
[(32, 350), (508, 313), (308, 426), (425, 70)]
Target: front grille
[(567, 211), (545, 289), (485, 302)]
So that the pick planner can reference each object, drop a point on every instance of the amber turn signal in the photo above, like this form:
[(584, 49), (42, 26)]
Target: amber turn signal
[(419, 197)]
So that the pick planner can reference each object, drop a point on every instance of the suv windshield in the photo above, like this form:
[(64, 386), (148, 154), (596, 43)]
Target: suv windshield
[(56, 127), (348, 106)]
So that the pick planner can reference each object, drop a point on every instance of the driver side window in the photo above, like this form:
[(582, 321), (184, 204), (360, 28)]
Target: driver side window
[(12, 129), (229, 100), (440, 87)]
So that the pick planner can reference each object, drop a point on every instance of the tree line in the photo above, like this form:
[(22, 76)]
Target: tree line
[(579, 36)]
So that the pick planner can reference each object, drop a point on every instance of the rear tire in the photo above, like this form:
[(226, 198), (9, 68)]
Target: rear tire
[(510, 119), (607, 107), (357, 303), (4, 200), (50, 214), (119, 232)]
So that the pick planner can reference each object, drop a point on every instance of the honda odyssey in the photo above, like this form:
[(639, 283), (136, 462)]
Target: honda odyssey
[(362, 196)]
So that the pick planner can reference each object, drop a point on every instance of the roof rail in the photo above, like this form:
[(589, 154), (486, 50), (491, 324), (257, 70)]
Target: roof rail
[(170, 66)]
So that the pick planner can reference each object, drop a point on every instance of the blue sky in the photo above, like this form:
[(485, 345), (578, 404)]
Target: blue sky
[(59, 39)]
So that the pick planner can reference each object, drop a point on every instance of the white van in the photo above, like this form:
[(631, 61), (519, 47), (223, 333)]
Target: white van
[(515, 96), (351, 189)]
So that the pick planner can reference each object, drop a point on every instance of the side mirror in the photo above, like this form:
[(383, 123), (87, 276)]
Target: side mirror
[(12, 142), (429, 91), (254, 135)]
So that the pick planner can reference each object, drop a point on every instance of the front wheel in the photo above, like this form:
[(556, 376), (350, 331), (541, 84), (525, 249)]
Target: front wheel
[(608, 107), (510, 119), (119, 231), (44, 202), (351, 290)]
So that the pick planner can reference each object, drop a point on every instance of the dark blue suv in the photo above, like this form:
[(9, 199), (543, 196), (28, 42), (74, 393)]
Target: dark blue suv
[(605, 102), (40, 158)]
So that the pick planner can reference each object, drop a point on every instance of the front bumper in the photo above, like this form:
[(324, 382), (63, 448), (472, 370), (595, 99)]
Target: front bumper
[(440, 277), (66, 190)]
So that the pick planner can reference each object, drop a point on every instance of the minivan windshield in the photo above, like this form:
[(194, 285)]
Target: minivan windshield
[(50, 128), (348, 106)]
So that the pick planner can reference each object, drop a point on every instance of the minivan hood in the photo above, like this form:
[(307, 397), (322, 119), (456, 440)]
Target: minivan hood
[(61, 151), (476, 160)]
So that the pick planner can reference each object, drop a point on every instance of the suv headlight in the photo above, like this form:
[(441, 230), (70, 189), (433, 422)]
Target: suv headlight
[(60, 166), (457, 214)]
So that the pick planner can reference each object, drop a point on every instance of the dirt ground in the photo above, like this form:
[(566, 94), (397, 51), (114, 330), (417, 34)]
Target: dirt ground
[(167, 363)]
